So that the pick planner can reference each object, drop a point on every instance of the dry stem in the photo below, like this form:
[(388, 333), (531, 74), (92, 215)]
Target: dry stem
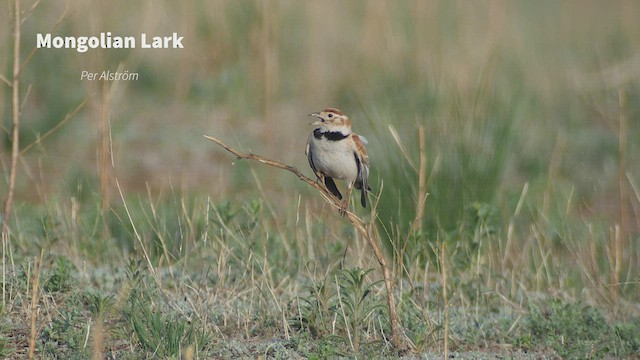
[(622, 231), (15, 132), (103, 148), (358, 223), (34, 307), (422, 179), (443, 261)]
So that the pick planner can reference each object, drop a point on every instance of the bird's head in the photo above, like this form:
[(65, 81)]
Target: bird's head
[(332, 119)]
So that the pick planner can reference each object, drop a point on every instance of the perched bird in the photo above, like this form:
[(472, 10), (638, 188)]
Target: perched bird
[(336, 152)]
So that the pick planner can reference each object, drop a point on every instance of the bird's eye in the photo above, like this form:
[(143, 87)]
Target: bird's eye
[(330, 115)]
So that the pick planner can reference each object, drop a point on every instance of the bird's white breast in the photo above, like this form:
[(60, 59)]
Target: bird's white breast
[(334, 158)]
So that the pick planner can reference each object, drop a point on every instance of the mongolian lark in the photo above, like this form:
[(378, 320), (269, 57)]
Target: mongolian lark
[(336, 152)]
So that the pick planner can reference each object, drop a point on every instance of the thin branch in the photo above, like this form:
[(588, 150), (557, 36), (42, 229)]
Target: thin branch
[(58, 22), (33, 7), (358, 223), (49, 132), (416, 225), (443, 264), (328, 196), (15, 132), (422, 178), (34, 306), (404, 151), (103, 147), (5, 80)]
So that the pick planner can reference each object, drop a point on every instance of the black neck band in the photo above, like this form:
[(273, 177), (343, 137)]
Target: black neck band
[(329, 135)]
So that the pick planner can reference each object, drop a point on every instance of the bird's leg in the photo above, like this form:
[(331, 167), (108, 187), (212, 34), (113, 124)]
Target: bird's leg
[(328, 184), (320, 179), (322, 182), (345, 204), (343, 208)]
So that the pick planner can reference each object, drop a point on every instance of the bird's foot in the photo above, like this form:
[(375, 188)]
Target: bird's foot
[(343, 208)]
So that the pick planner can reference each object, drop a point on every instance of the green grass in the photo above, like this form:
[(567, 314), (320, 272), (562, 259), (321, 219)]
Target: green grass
[(206, 256), (229, 283)]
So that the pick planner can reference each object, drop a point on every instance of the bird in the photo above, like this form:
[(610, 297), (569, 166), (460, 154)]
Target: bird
[(334, 151)]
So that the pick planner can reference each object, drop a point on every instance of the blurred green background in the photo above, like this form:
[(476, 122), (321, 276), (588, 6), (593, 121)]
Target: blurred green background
[(512, 96)]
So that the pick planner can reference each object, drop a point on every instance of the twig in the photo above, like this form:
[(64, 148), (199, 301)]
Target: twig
[(354, 347), (358, 223), (5, 80), (443, 260), (4, 268), (33, 7), (622, 239), (51, 131), (416, 225), (422, 179), (58, 22), (15, 132), (34, 307), (103, 147)]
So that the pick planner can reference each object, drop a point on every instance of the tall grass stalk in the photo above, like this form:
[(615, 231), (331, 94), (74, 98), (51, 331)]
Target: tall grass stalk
[(103, 146), (445, 298), (15, 124), (34, 305), (4, 268), (622, 243)]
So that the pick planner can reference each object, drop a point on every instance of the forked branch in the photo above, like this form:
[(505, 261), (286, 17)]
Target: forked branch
[(358, 223)]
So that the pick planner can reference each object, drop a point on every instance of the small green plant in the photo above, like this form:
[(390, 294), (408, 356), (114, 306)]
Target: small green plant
[(5, 349), (163, 335), (353, 304), (60, 279), (136, 276), (315, 311), (66, 332), (224, 214), (575, 331), (99, 304), (318, 312), (51, 228), (627, 337), (252, 211), (419, 327)]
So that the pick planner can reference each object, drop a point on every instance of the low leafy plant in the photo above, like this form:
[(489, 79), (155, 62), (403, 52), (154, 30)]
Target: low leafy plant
[(60, 279), (576, 331), (65, 333), (5, 348), (163, 335), (353, 302), (315, 311), (99, 304)]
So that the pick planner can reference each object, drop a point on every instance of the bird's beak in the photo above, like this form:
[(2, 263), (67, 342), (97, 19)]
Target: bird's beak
[(317, 122)]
